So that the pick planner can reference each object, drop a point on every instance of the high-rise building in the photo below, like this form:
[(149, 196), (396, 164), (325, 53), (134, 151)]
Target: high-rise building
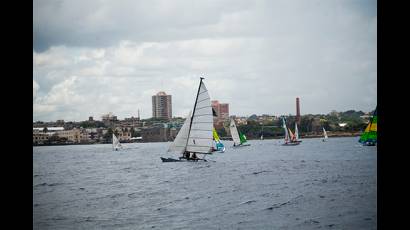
[(297, 111), (222, 112), (162, 105)]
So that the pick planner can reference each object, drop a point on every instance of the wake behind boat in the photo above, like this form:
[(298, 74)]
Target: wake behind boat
[(195, 136)]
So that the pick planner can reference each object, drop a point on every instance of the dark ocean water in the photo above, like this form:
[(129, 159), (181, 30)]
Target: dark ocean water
[(315, 185)]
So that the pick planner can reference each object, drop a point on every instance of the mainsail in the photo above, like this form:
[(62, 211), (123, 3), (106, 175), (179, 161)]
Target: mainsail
[(324, 133), (286, 130), (234, 133), (179, 144), (370, 133), (200, 130), (115, 142), (296, 132)]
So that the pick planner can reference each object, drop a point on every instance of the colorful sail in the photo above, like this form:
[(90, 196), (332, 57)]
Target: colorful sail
[(216, 137), (242, 138), (292, 137), (218, 143), (369, 135)]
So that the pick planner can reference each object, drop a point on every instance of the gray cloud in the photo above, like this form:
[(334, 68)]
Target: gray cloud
[(94, 57)]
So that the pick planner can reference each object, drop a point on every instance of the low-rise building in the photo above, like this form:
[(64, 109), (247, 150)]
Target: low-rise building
[(73, 135), (155, 134), (40, 137)]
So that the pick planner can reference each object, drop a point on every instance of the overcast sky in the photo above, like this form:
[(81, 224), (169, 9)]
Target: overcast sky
[(95, 57)]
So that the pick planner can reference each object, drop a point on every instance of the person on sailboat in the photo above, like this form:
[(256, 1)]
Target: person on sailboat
[(193, 156), (187, 155)]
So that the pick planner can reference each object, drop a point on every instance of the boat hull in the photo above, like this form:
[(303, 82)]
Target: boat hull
[(291, 143), (241, 145), (180, 160)]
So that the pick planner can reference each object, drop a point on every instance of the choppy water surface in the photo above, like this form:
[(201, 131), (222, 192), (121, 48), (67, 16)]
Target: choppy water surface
[(326, 185)]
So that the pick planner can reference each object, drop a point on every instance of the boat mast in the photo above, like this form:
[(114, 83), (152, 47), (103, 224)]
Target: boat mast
[(193, 112)]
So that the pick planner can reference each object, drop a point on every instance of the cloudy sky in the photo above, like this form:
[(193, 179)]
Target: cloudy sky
[(93, 57)]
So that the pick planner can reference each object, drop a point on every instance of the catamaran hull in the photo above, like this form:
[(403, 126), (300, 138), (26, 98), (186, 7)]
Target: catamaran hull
[(291, 143), (179, 160), (369, 144), (234, 146)]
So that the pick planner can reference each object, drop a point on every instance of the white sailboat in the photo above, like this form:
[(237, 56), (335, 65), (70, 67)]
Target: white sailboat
[(289, 137), (115, 143), (196, 135), (234, 133), (297, 133), (325, 135), (238, 138)]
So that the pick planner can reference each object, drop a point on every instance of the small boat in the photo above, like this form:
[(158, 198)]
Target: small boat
[(179, 160), (289, 137), (325, 135), (369, 137), (217, 141), (297, 133), (115, 143), (195, 136), (239, 139)]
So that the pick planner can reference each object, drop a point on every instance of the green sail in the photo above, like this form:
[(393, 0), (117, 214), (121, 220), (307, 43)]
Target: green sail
[(242, 138), (370, 133)]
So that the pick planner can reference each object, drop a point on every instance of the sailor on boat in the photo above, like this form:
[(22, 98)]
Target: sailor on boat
[(194, 157)]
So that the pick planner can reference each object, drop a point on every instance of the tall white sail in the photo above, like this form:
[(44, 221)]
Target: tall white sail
[(296, 132), (179, 144), (115, 142), (234, 133), (286, 131), (200, 135), (324, 133)]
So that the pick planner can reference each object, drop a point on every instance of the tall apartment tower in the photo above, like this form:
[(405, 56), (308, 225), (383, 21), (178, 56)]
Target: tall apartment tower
[(297, 111), (222, 112), (162, 106)]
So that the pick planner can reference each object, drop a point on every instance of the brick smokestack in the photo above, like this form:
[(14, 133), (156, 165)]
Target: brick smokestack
[(297, 111)]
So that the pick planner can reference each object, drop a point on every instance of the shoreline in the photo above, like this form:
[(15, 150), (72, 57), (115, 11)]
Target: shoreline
[(330, 135)]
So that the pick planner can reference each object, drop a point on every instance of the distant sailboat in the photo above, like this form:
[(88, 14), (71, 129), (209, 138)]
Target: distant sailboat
[(239, 139), (218, 144), (289, 137), (195, 136), (325, 135), (297, 133), (369, 137), (115, 143)]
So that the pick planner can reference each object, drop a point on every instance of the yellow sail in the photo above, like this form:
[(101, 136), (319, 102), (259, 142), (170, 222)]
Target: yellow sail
[(216, 137)]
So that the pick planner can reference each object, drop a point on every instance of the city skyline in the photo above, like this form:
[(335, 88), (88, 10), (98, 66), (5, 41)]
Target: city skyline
[(257, 56)]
